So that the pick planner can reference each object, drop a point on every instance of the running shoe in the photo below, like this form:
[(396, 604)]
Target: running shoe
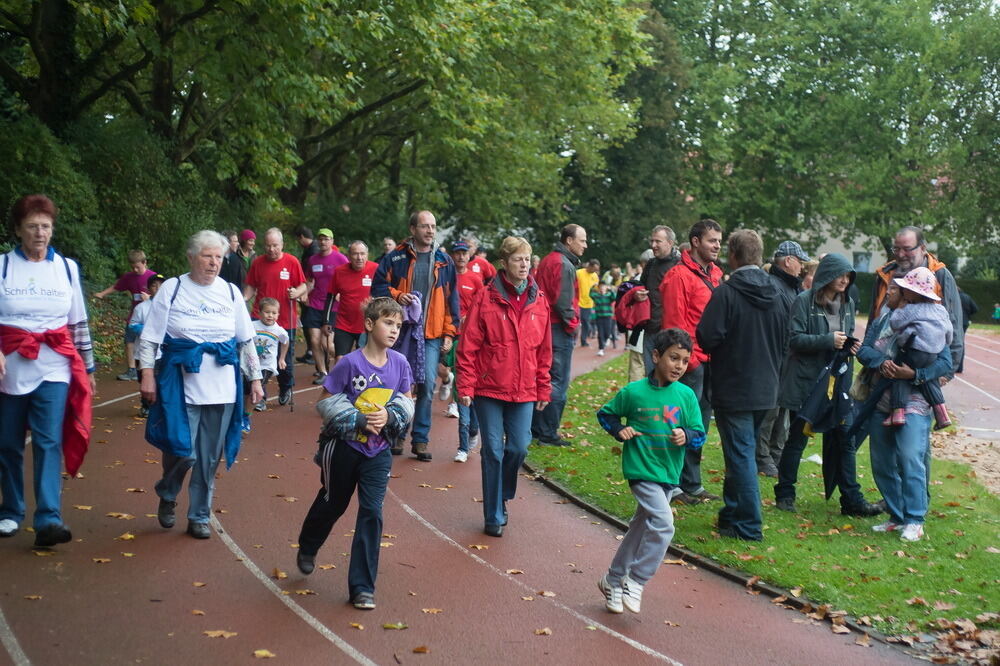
[(612, 595), (912, 532)]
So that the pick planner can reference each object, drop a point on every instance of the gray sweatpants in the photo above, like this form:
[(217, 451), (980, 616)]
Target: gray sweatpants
[(649, 534)]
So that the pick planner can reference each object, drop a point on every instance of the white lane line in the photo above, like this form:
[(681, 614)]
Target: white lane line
[(308, 618), (985, 365), (114, 400), (979, 429), (10, 643), (645, 649), (988, 395), (985, 349), (984, 338)]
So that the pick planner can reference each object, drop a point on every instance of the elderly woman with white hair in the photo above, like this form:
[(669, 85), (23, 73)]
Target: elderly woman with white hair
[(198, 338)]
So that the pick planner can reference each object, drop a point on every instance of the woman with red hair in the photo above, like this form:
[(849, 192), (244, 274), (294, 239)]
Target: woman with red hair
[(45, 359)]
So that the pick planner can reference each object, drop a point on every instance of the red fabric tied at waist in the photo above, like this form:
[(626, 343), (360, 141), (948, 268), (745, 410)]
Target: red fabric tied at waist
[(77, 420)]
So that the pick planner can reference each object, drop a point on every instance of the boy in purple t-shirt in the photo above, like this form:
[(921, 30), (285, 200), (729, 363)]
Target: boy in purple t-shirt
[(370, 402), (134, 282)]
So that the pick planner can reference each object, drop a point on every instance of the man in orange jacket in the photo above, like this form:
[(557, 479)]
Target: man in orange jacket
[(685, 291)]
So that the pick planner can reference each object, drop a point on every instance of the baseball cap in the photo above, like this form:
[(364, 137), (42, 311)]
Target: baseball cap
[(247, 234), (791, 249), (325, 232), (155, 278), (459, 245)]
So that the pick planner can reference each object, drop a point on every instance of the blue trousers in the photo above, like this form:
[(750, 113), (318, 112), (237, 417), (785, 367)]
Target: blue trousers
[(425, 391), (899, 466), (468, 425), (208, 430), (351, 469), (42, 412), (545, 424), (506, 433), (738, 431), (586, 325), (697, 381)]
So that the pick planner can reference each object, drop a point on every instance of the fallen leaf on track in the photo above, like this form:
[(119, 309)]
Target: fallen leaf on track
[(527, 598), (478, 546), (359, 627), (128, 536), (326, 567), (514, 572), (796, 592), (278, 574), (119, 515), (395, 625), (32, 597), (44, 553), (197, 612), (839, 629), (219, 633), (263, 654), (135, 490), (101, 560), (864, 640), (82, 507), (421, 649), (545, 631), (916, 601), (304, 592), (432, 611), (546, 593), (199, 584), (670, 624)]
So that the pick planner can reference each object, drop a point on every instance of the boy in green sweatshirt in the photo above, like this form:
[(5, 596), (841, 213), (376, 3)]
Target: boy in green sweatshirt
[(662, 417)]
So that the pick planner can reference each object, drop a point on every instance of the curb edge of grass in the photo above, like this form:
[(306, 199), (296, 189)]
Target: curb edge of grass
[(730, 573)]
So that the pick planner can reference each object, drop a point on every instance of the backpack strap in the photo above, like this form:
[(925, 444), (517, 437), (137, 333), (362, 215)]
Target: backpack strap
[(177, 288), (6, 260)]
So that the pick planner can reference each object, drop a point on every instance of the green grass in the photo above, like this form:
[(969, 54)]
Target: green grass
[(833, 559)]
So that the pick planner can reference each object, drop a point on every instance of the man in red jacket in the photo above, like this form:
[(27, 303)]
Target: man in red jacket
[(556, 277), (685, 291)]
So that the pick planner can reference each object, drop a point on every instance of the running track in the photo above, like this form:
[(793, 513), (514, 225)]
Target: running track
[(464, 604)]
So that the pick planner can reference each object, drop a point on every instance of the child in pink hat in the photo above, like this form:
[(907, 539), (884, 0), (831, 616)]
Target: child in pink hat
[(922, 329)]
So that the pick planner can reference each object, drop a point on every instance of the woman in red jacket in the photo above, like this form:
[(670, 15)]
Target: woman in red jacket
[(504, 356)]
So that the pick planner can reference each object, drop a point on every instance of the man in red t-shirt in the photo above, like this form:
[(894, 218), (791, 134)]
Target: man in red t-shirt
[(351, 287), (478, 263), (278, 275)]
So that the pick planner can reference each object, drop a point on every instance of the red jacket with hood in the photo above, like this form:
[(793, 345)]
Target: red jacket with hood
[(502, 355), (686, 290)]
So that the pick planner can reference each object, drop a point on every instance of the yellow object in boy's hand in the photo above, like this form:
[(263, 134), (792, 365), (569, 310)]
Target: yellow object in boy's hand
[(677, 437)]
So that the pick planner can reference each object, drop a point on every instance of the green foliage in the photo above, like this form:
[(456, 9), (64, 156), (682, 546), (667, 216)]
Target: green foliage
[(832, 558), (985, 293)]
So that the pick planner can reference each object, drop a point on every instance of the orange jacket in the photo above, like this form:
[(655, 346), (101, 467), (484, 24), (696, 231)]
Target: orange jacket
[(884, 274), (394, 278)]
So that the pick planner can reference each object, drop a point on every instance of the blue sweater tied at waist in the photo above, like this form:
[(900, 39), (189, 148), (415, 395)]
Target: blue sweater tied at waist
[(167, 427)]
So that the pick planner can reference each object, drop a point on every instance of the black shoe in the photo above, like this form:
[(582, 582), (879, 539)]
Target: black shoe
[(685, 498), (493, 530), (143, 412), (199, 530), (863, 510), (419, 449), (786, 505), (554, 442), (52, 534), (504, 523), (306, 563), (165, 513), (363, 601), (730, 533), (284, 395), (396, 450), (305, 358), (705, 496)]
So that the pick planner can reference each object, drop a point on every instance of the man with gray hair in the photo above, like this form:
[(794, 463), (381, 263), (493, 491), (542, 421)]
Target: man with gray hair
[(744, 331), (278, 275), (786, 271), (664, 257)]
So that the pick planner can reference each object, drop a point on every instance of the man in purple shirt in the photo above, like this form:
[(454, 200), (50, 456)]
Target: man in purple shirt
[(319, 272)]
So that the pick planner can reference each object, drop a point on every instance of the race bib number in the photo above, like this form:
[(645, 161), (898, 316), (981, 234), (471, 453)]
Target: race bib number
[(366, 281), (284, 274), (317, 268)]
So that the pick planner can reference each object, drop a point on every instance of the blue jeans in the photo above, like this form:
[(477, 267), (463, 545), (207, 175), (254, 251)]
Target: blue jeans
[(42, 411), (351, 469), (791, 455), (425, 391), (697, 381), (899, 467), (506, 433), (468, 425), (586, 325), (545, 424), (208, 425), (740, 491)]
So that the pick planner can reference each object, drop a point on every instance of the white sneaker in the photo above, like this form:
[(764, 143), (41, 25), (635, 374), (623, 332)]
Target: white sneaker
[(461, 456), (452, 412), (612, 595), (631, 594), (445, 392), (912, 532), (887, 526), (8, 527), (473, 442), (600, 352)]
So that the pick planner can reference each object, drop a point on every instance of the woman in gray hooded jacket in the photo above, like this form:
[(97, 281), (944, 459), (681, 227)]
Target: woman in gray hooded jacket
[(822, 320)]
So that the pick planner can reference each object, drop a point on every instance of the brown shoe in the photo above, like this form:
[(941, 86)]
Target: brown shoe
[(419, 449)]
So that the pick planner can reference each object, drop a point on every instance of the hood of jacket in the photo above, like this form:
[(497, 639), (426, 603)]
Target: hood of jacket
[(755, 286), (830, 268), (793, 281)]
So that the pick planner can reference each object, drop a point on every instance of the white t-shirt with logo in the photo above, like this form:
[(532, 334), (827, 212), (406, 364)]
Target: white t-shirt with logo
[(266, 339), (38, 296), (201, 313)]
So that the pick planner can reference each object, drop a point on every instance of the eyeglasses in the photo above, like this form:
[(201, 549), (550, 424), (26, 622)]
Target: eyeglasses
[(904, 250)]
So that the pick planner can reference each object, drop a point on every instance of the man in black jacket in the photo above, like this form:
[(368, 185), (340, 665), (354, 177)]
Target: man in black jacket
[(665, 257), (743, 329), (786, 271)]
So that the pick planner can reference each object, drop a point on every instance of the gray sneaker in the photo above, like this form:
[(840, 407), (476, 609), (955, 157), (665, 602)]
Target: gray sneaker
[(129, 375)]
